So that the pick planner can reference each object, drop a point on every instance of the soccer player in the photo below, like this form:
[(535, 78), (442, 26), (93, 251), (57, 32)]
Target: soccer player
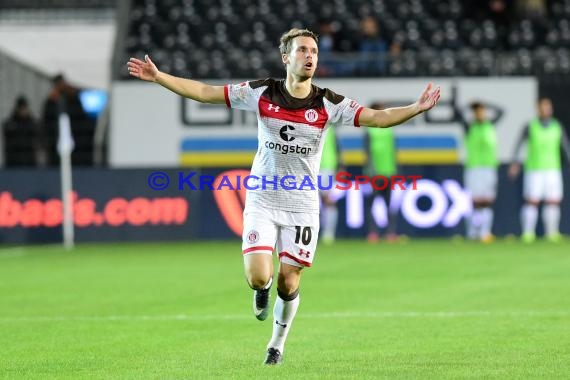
[(331, 161), (481, 170), (292, 117), (542, 172), (380, 149)]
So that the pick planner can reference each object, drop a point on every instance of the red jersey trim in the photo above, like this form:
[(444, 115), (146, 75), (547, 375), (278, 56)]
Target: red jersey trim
[(314, 117), (258, 248), (302, 262), (227, 95), (356, 116)]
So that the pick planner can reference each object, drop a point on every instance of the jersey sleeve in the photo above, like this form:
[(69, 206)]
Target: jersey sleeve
[(242, 96), (342, 111)]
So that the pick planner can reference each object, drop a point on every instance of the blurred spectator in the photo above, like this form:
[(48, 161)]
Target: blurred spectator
[(542, 182), (499, 11), (380, 148), (327, 36), (331, 164), (64, 97), (329, 41), (23, 137), (373, 48), (534, 9), (481, 164), (327, 46)]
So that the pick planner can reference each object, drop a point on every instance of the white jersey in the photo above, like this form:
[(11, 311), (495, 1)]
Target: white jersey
[(290, 140)]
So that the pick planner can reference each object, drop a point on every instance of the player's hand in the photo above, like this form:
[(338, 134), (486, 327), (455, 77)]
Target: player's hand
[(143, 70), (428, 99), (514, 170)]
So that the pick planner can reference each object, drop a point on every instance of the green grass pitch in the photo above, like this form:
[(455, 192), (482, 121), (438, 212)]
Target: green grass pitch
[(425, 309)]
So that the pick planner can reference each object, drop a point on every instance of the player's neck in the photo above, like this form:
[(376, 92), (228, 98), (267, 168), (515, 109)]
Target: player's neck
[(298, 88)]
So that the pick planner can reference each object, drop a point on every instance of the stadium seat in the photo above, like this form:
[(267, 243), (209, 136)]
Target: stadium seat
[(472, 46)]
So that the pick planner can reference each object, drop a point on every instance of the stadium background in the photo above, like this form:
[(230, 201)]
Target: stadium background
[(473, 297), (505, 59)]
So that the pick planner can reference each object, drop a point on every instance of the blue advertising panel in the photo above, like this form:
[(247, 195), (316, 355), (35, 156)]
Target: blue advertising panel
[(185, 204)]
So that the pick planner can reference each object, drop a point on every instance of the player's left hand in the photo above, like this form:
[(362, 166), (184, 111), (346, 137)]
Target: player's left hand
[(145, 70), (428, 99)]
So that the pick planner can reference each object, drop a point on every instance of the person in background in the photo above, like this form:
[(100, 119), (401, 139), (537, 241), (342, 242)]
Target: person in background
[(327, 47), (372, 48), (23, 137), (331, 164), (542, 181), (64, 97), (531, 9), (481, 166), (380, 148)]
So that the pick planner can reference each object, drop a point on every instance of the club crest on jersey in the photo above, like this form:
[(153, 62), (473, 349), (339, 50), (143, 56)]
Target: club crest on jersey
[(241, 91), (311, 115), (252, 237)]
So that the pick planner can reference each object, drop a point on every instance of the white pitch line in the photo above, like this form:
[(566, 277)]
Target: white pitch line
[(330, 315), (12, 252)]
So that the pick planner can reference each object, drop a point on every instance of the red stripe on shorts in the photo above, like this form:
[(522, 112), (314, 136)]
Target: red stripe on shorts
[(286, 254), (260, 248)]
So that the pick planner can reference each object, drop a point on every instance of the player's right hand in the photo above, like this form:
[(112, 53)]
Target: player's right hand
[(143, 70)]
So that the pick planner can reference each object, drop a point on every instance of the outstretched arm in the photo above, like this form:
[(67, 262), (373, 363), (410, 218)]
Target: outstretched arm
[(459, 116), (390, 117), (498, 112), (201, 92)]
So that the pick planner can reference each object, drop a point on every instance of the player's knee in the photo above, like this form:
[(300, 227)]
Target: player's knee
[(257, 280), (288, 284), (258, 270), (289, 296)]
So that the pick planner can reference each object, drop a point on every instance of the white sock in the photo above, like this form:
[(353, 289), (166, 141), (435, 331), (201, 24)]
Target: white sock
[(470, 227), (283, 314), (474, 224), (529, 215), (551, 219), (487, 222), (330, 216)]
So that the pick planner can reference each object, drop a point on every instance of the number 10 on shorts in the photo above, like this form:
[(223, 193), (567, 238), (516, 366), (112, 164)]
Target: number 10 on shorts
[(303, 235)]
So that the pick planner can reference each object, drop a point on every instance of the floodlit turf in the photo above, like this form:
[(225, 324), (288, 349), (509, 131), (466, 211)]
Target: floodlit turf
[(426, 309)]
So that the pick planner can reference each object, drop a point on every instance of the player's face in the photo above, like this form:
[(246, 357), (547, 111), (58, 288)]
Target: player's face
[(545, 109), (480, 114), (303, 58)]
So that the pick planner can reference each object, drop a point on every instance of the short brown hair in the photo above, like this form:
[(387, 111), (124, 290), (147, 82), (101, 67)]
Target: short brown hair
[(287, 38), (477, 105)]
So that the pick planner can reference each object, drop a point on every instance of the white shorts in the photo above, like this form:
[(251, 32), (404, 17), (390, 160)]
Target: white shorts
[(293, 234), (481, 182), (543, 185)]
